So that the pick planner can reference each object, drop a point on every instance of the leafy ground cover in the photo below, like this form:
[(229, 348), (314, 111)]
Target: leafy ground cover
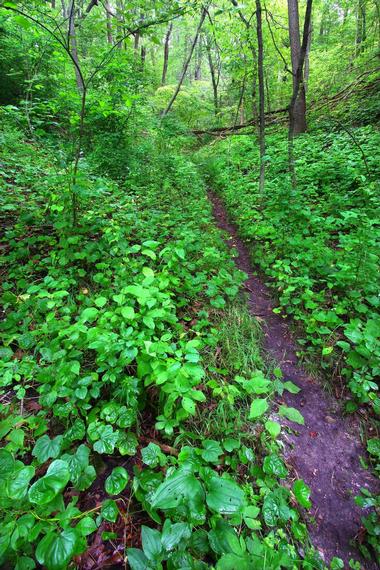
[(317, 244), (135, 428)]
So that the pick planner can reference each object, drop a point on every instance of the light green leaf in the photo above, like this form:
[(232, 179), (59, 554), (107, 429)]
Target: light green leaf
[(273, 428), (212, 450), (258, 408), (128, 313), (302, 493), (273, 465), (189, 405), (290, 387), (292, 414)]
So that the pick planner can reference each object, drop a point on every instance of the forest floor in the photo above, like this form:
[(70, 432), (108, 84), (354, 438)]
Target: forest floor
[(326, 451)]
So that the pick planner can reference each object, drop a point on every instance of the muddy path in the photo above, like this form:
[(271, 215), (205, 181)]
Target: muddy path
[(325, 451)]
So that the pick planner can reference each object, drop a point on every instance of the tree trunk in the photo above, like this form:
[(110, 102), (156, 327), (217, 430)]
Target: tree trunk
[(166, 53), (198, 61), (64, 14), (121, 32), (361, 26), (260, 69), (297, 85), (137, 41), (299, 111), (213, 75), (143, 56), (267, 92), (73, 46), (186, 65), (307, 59), (108, 23)]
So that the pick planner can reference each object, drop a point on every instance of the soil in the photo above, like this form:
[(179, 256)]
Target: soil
[(325, 451)]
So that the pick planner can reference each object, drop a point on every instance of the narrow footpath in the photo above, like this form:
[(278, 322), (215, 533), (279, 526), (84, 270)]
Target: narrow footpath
[(325, 451)]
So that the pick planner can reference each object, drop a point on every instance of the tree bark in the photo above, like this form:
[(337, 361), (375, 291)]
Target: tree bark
[(214, 80), (198, 60), (143, 56), (297, 85), (186, 65), (64, 14), (299, 111), (260, 69), (108, 23), (73, 46), (361, 26), (166, 53)]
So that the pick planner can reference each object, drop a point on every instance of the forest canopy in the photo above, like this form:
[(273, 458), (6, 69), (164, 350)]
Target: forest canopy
[(189, 261)]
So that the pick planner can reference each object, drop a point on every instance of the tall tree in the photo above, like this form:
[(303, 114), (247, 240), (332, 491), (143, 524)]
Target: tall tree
[(299, 111), (186, 64), (297, 86), (108, 11), (72, 36), (260, 69), (166, 53), (214, 72), (361, 26)]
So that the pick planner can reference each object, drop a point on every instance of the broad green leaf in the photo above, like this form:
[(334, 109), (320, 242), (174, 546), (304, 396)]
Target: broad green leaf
[(25, 563), (224, 539), (47, 448), (100, 301), (137, 559), (230, 444), (117, 481), (173, 534), (128, 313), (189, 405), (212, 451), (56, 550), (302, 493), (45, 489), (17, 484), (258, 408), (224, 496), (257, 384), (86, 526), (7, 464), (233, 562), (273, 465), (273, 428), (290, 387), (180, 486), (152, 455), (292, 414), (89, 314), (151, 542), (109, 510), (250, 514), (127, 443)]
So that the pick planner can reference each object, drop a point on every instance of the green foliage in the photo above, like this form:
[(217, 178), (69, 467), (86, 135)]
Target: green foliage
[(317, 244)]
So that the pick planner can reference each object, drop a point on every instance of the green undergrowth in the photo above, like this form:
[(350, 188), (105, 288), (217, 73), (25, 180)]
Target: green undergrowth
[(135, 401), (318, 244)]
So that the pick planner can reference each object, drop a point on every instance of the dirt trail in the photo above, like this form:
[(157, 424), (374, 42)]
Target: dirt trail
[(325, 452)]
